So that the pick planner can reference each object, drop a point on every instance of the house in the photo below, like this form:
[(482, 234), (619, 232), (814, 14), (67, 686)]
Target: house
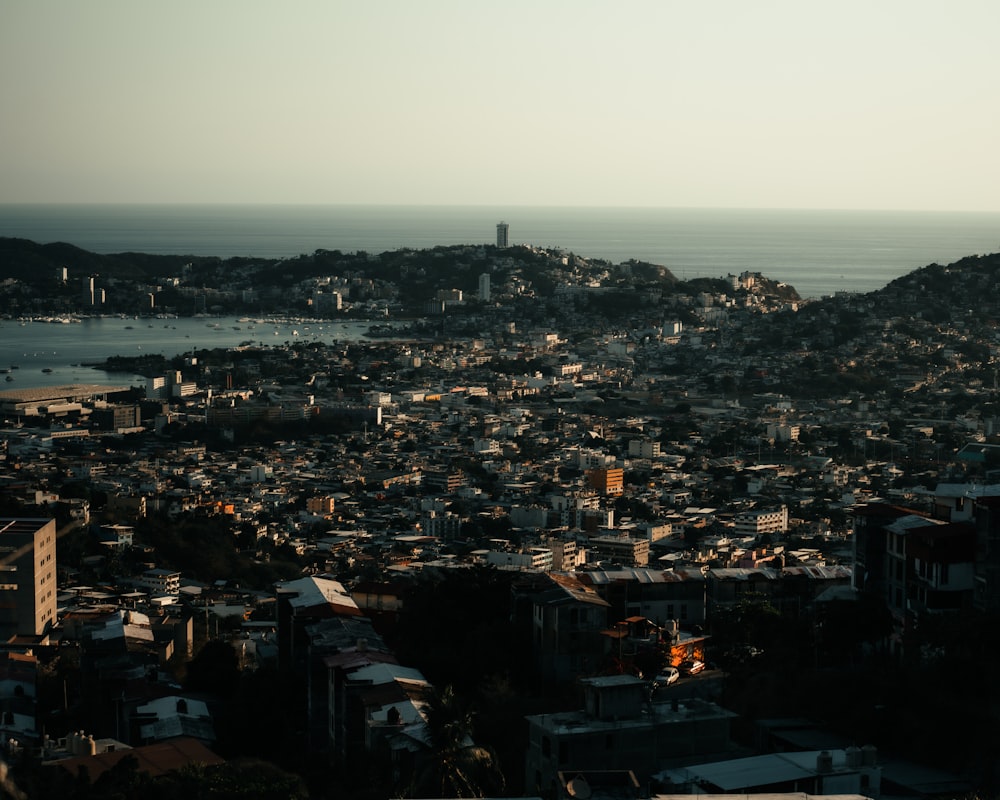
[(154, 759), (171, 717)]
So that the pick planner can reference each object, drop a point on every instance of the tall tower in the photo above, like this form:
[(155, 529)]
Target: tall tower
[(484, 287), (502, 230), (27, 576)]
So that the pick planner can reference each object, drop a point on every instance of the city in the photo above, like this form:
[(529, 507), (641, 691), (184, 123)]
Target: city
[(553, 526)]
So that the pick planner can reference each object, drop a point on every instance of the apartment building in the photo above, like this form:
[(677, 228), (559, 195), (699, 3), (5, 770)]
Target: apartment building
[(27, 576)]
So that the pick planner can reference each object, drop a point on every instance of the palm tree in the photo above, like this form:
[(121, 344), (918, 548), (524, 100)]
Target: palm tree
[(454, 766)]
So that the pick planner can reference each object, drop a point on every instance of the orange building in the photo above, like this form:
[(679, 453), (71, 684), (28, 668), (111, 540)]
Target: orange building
[(607, 481)]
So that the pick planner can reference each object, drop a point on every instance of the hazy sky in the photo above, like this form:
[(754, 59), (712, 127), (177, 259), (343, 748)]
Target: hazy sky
[(879, 104)]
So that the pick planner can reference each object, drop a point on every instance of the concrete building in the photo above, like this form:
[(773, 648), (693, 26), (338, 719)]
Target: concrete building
[(27, 576), (87, 292), (503, 229), (619, 547), (619, 729), (529, 558), (854, 771), (606, 481), (161, 581), (760, 521)]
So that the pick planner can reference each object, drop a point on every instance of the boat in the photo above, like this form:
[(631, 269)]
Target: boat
[(46, 369), (9, 378)]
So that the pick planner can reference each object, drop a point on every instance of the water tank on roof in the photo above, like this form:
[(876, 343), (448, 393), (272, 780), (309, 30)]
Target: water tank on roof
[(853, 756), (824, 762), (869, 755)]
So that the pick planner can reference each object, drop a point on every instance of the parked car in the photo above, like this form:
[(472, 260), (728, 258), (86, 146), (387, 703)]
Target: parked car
[(692, 667), (666, 676)]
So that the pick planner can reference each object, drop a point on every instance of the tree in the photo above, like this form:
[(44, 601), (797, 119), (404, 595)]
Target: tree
[(215, 669), (455, 765)]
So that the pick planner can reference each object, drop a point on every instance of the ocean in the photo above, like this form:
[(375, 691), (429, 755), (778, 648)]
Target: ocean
[(818, 252)]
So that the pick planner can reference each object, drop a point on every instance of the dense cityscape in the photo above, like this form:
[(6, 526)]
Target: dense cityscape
[(555, 527)]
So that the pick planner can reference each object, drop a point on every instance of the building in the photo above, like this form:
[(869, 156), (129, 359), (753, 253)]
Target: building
[(319, 505), (929, 566), (869, 544), (87, 292), (52, 400), (854, 771), (27, 576), (484, 287), (644, 448), (987, 586), (566, 620), (608, 481), (659, 595), (528, 558), (502, 233), (161, 581), (620, 548), (760, 521), (619, 729)]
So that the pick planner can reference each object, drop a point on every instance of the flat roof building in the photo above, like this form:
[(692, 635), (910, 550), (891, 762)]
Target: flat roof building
[(27, 576)]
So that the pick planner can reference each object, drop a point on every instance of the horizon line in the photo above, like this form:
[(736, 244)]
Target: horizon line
[(577, 206)]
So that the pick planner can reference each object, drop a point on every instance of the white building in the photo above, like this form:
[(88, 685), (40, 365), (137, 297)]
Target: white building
[(161, 581), (761, 521), (530, 559), (643, 448)]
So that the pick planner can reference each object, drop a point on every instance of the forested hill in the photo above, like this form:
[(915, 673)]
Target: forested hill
[(412, 271)]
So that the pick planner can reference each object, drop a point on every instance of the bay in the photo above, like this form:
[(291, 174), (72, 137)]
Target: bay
[(37, 354)]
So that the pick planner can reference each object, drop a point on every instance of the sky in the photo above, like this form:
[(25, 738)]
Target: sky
[(880, 104)]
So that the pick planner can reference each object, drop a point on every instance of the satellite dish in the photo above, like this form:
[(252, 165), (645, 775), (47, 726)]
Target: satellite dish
[(579, 788)]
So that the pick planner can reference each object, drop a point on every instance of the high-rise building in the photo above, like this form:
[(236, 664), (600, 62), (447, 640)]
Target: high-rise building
[(484, 287), (87, 293), (502, 230), (27, 576)]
